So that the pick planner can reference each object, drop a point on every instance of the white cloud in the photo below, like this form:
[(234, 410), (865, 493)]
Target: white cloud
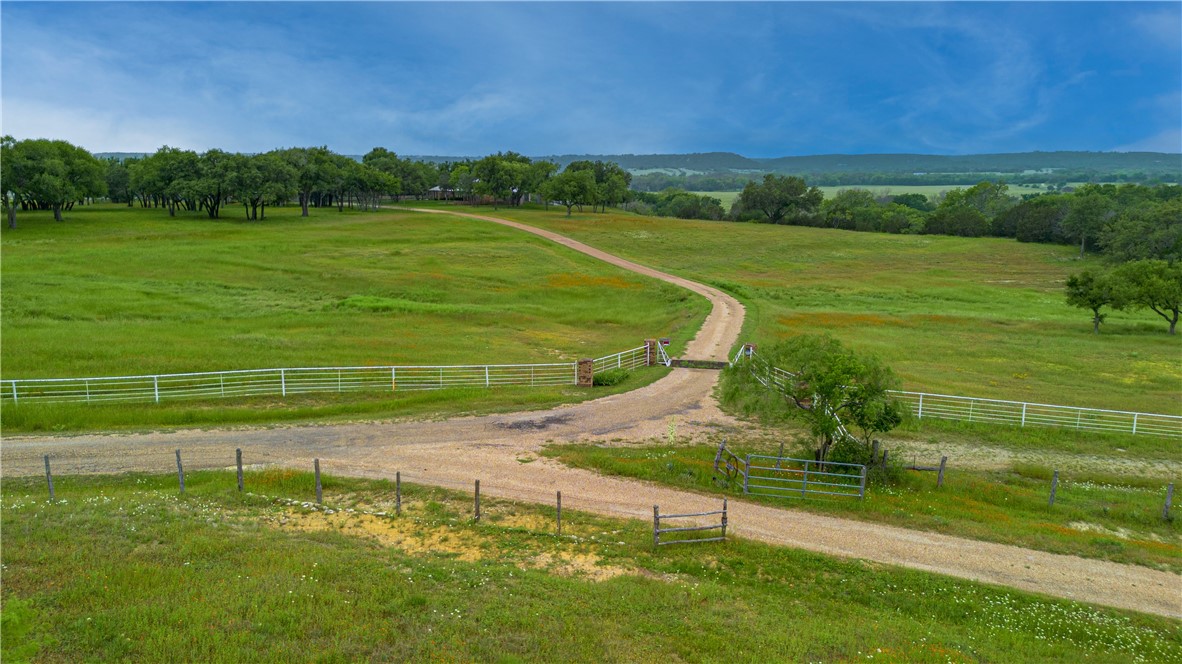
[(1163, 27), (1169, 140)]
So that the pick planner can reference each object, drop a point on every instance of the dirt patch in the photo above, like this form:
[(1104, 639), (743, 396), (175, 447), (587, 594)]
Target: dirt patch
[(408, 535), (416, 538), (583, 565)]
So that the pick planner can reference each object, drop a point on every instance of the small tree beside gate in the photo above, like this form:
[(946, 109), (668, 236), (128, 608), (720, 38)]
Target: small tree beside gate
[(833, 389)]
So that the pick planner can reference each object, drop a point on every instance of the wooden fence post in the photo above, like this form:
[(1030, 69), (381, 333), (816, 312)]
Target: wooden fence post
[(49, 479), (477, 500), (319, 492), (560, 513), (398, 493), (656, 526), (1165, 513), (238, 455), (873, 452), (180, 471), (1054, 485), (885, 452), (940, 476)]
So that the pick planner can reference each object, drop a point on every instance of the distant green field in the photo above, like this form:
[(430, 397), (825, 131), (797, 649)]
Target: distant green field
[(728, 197), (971, 316)]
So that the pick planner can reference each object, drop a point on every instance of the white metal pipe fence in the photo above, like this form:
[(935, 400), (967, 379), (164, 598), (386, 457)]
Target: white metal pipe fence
[(1017, 413), (628, 359), (284, 382), (1020, 413)]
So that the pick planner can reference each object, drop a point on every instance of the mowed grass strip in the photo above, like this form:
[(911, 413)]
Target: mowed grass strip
[(1117, 518), (981, 317), (125, 291), (123, 568)]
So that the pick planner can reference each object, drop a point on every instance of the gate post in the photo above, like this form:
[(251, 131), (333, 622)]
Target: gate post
[(656, 527), (650, 352), (586, 373)]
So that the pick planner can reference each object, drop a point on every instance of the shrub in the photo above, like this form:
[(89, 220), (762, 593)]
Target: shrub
[(610, 377)]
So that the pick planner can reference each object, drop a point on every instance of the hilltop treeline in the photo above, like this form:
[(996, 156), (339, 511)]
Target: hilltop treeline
[(40, 174), (1127, 222)]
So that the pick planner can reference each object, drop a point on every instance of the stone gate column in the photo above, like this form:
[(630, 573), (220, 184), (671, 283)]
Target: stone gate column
[(586, 373)]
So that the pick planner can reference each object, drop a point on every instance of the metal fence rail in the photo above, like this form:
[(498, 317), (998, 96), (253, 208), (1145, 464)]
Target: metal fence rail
[(658, 530), (1016, 413), (628, 359), (789, 478), (284, 382), (1019, 413)]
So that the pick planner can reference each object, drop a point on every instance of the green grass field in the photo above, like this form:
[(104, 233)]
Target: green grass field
[(1103, 517), (126, 291), (117, 291), (980, 317), (124, 569)]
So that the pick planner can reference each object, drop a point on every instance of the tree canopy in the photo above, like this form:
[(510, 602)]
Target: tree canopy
[(779, 197), (42, 174), (833, 389)]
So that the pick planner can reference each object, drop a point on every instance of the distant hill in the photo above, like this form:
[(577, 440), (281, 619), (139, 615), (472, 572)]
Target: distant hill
[(1142, 166), (1018, 162)]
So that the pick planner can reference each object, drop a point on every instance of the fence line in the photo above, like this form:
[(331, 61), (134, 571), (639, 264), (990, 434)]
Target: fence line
[(1017, 413), (282, 382), (628, 359), (1020, 413)]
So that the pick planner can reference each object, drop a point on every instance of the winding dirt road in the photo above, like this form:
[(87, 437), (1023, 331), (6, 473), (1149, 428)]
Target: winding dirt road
[(501, 451)]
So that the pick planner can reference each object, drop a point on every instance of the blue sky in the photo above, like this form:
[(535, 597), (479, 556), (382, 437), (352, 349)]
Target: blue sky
[(760, 79)]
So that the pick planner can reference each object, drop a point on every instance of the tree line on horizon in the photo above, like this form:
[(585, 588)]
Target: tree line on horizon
[(41, 174)]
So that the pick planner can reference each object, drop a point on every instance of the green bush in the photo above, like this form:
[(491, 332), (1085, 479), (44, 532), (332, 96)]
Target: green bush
[(610, 377)]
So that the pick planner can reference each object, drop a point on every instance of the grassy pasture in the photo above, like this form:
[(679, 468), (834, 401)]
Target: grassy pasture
[(116, 290), (980, 317), (1094, 516), (127, 291), (124, 569)]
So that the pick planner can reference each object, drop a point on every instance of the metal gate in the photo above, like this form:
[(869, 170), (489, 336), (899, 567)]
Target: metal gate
[(799, 478)]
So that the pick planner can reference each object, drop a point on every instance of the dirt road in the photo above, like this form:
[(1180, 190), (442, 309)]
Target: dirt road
[(501, 451)]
